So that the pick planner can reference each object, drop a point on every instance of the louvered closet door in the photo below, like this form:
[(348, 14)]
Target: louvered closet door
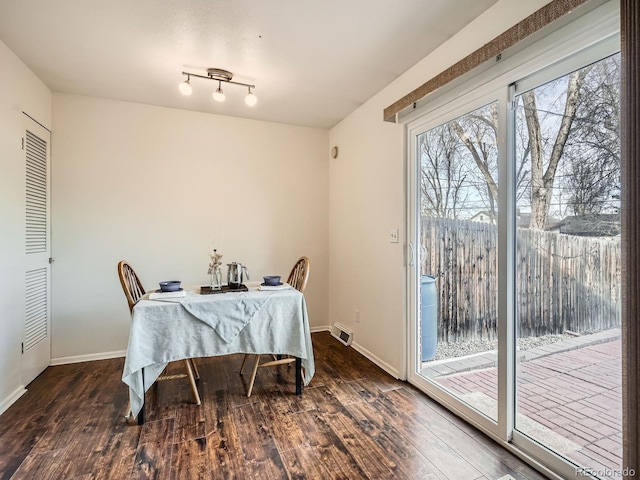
[(36, 346)]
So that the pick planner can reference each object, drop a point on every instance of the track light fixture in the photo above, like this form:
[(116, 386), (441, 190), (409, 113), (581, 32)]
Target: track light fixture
[(218, 95), (185, 87), (220, 76)]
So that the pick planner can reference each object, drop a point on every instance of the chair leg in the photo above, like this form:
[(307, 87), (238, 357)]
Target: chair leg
[(253, 375), (244, 361), (129, 414), (192, 381), (196, 373)]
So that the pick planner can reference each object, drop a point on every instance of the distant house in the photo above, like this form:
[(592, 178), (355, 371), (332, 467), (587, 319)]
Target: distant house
[(523, 220), (483, 217), (592, 225)]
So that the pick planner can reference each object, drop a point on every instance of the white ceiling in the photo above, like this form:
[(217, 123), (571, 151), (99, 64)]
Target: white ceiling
[(313, 62)]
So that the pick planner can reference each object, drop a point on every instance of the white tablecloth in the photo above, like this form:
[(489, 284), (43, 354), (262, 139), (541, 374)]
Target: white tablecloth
[(164, 331)]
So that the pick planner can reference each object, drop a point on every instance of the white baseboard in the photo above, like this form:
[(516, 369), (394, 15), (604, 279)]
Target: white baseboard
[(7, 402), (121, 353), (87, 358), (363, 351), (321, 328), (382, 364)]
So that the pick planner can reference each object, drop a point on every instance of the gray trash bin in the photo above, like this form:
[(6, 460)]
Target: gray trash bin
[(428, 317)]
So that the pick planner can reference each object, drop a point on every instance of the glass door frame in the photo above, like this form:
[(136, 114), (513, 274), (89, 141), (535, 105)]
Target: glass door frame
[(545, 60), (439, 116)]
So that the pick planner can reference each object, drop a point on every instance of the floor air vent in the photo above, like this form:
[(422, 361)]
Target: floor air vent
[(342, 334)]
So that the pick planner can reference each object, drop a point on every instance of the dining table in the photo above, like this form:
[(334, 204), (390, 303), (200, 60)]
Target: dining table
[(255, 321)]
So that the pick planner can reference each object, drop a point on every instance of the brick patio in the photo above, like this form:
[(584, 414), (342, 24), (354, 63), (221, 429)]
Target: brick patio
[(569, 395)]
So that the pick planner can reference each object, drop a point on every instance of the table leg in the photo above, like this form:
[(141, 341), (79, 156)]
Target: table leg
[(298, 376), (141, 414)]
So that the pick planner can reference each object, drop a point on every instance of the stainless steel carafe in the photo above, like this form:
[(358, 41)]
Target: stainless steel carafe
[(235, 274)]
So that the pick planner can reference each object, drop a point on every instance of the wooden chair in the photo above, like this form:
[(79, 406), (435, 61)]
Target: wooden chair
[(298, 280), (134, 290), (299, 274)]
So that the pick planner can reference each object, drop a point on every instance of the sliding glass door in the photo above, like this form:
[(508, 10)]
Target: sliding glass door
[(455, 210), (514, 258), (458, 210), (568, 378)]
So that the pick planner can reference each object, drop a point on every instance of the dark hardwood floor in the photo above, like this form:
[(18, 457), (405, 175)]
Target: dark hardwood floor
[(353, 421)]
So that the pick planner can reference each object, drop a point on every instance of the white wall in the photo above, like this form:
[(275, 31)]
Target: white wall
[(367, 199), (154, 186), (20, 91)]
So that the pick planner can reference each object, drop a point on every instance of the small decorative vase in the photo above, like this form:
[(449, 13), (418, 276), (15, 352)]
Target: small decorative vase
[(216, 278)]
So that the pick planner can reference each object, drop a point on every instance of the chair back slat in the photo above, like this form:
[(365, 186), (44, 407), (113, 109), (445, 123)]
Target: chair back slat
[(299, 274), (131, 284)]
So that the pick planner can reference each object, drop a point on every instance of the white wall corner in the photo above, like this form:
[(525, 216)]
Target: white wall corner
[(320, 328), (11, 399)]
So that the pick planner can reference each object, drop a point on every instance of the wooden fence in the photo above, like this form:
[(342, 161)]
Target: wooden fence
[(563, 282)]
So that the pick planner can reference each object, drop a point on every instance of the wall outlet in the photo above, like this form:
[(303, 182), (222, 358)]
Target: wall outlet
[(393, 237), (357, 316)]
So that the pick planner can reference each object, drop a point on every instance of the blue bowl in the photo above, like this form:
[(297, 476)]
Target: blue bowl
[(272, 280), (170, 286)]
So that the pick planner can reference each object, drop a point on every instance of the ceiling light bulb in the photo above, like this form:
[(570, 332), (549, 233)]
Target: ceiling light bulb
[(250, 99), (218, 95), (185, 88)]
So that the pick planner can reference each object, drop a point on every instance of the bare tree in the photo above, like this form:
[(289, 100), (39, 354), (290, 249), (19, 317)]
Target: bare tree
[(591, 185), (593, 151), (442, 175), (478, 132), (566, 134), (544, 166)]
